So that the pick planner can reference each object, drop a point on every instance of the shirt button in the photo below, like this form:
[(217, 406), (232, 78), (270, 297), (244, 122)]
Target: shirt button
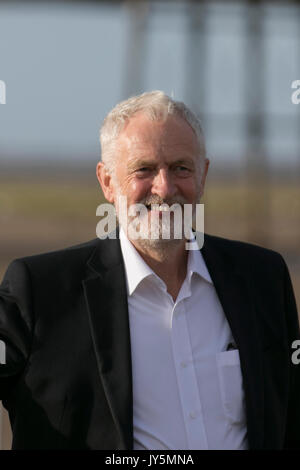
[(192, 414)]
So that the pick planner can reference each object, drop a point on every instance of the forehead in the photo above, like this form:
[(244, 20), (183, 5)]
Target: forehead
[(173, 134)]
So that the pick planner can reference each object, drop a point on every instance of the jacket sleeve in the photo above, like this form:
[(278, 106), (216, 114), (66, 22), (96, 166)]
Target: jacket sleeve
[(292, 433), (16, 325)]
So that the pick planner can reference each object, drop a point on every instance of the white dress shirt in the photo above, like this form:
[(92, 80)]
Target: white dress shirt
[(187, 388)]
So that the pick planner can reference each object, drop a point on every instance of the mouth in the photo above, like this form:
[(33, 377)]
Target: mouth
[(156, 207)]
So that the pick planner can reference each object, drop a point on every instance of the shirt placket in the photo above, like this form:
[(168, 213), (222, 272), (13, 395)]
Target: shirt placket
[(187, 380)]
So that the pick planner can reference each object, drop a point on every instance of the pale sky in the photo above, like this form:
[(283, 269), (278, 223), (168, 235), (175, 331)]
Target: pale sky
[(64, 67)]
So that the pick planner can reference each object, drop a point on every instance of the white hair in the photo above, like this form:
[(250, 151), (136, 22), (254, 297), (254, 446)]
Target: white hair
[(157, 105)]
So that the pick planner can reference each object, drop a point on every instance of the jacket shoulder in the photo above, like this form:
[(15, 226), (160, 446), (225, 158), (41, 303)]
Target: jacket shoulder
[(70, 258), (244, 252)]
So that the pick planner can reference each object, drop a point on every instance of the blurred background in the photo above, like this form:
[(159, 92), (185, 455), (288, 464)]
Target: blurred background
[(66, 64)]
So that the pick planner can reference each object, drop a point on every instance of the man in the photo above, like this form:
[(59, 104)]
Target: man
[(138, 343)]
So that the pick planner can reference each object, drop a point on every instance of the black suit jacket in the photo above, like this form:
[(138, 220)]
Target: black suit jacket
[(67, 381)]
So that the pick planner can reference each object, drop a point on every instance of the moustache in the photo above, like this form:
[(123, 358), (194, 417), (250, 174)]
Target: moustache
[(154, 199)]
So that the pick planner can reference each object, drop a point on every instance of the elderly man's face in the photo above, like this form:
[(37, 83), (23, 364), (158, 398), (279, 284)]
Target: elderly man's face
[(157, 162)]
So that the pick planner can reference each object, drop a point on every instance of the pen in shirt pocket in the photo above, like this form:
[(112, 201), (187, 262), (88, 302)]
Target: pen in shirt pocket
[(231, 346)]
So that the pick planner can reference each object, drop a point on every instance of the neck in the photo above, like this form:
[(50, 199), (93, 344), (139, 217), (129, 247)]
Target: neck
[(168, 261)]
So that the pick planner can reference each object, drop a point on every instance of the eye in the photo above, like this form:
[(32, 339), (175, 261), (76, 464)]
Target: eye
[(144, 169), (182, 169)]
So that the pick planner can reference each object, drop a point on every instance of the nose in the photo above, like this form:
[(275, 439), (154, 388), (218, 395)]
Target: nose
[(163, 184)]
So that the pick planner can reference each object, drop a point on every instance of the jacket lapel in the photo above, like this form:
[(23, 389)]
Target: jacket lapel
[(235, 295), (106, 297)]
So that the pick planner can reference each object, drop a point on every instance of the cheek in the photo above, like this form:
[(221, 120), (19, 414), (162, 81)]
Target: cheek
[(137, 189), (189, 188)]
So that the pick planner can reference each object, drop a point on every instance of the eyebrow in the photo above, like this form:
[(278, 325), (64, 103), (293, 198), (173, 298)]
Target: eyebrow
[(184, 161), (141, 163)]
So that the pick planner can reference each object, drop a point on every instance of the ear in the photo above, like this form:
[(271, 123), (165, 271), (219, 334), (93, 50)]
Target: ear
[(203, 176), (106, 183)]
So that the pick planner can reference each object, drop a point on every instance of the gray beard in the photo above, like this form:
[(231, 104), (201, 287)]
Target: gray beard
[(163, 247)]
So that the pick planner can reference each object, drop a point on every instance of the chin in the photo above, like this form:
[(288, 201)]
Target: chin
[(159, 245)]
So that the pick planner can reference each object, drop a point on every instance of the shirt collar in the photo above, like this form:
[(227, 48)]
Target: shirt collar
[(196, 263), (137, 269)]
